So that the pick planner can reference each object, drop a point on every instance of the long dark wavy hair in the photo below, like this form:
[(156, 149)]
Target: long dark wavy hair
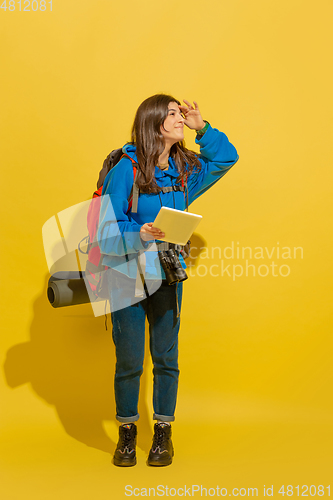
[(149, 142)]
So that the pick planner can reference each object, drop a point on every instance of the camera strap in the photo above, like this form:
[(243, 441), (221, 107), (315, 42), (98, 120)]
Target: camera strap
[(140, 276)]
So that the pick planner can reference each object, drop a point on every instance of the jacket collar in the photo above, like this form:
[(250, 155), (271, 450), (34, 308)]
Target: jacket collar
[(172, 171)]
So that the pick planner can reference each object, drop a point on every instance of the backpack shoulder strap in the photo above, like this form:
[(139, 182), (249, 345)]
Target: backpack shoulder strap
[(134, 195), (185, 192)]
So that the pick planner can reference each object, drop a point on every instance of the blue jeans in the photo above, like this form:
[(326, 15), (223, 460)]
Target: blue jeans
[(128, 333)]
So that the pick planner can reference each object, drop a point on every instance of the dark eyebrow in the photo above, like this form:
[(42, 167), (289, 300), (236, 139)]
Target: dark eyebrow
[(171, 109)]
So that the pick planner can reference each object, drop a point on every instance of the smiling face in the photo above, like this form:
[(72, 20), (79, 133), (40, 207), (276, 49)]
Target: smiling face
[(173, 126)]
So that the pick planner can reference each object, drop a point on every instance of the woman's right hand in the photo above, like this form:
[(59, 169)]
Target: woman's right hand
[(148, 232)]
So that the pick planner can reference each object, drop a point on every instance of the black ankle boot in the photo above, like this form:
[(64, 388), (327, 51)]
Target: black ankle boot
[(125, 454), (161, 452)]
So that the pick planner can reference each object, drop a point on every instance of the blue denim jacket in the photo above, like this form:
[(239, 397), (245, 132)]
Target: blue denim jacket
[(119, 231)]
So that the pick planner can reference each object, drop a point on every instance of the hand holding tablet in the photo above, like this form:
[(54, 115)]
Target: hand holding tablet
[(177, 225), (148, 232)]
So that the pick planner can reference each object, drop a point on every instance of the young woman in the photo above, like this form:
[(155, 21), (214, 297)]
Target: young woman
[(166, 174)]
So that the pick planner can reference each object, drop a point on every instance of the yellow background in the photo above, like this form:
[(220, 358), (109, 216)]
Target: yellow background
[(255, 398)]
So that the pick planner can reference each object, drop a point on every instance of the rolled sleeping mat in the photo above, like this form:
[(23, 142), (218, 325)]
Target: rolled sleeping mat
[(67, 289)]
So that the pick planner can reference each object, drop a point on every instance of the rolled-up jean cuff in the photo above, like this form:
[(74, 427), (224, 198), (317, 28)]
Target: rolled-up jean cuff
[(164, 418), (125, 420)]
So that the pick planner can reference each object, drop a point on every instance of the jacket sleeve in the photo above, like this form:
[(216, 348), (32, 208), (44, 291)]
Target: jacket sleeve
[(217, 156), (117, 233)]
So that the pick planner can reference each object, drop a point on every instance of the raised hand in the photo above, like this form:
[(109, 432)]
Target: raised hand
[(192, 115)]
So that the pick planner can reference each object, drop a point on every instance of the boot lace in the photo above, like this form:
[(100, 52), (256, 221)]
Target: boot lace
[(159, 437), (126, 437)]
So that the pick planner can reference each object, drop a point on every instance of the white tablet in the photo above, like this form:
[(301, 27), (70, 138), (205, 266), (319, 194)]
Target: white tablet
[(177, 225)]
